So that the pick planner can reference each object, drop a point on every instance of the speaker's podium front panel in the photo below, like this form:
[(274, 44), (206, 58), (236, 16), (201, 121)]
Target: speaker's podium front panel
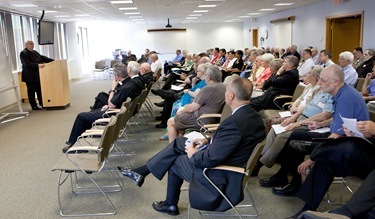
[(54, 82)]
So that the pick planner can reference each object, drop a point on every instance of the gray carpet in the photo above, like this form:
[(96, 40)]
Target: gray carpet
[(31, 146)]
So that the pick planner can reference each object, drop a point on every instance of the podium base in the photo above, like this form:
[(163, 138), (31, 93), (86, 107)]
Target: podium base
[(57, 107)]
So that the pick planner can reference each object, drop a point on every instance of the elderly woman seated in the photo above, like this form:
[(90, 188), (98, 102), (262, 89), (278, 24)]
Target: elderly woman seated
[(368, 90), (209, 100)]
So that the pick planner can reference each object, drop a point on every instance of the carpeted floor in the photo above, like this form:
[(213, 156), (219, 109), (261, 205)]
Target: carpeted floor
[(29, 147)]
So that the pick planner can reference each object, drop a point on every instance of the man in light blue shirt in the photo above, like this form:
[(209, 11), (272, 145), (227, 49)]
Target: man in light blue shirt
[(345, 62), (173, 63)]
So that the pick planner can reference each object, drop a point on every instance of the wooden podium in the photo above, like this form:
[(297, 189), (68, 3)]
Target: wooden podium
[(54, 82)]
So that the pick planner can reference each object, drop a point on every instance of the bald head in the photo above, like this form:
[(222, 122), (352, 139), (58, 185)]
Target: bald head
[(29, 45), (145, 68), (335, 72)]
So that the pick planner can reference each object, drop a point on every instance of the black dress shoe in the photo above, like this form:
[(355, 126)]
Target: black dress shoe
[(165, 207), (302, 146), (160, 104), (295, 216), (36, 108), (273, 181), (161, 126), (158, 118), (287, 190), (137, 179), (65, 149)]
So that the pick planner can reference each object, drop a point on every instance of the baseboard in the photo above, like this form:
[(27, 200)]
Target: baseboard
[(5, 108)]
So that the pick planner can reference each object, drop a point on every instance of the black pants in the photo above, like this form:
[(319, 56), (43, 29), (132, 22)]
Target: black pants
[(100, 100), (171, 80), (291, 158), (172, 159), (32, 88), (339, 158), (83, 122)]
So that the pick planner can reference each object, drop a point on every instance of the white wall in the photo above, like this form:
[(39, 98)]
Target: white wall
[(309, 26), (105, 37), (74, 52)]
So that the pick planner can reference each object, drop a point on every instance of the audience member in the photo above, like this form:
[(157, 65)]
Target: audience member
[(294, 52), (215, 55), (306, 64), (341, 157), (266, 61), (129, 57), (368, 87), (358, 57), (209, 100), (155, 65), (173, 63), (257, 68), (325, 58), (229, 146), (315, 56), (366, 67), (119, 55), (221, 60), (146, 73), (249, 64), (345, 62)]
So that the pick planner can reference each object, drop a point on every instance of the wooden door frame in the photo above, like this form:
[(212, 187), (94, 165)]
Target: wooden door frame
[(255, 39), (329, 23)]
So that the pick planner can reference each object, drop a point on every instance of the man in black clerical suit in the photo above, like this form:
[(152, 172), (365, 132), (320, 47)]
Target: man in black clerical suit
[(232, 144), (123, 86), (31, 62)]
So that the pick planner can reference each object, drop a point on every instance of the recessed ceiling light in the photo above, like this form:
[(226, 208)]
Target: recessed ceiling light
[(191, 18), (254, 13), (195, 15), (131, 17), (81, 15), (121, 2), (26, 6), (128, 13), (46, 11), (129, 8), (267, 9), (62, 16), (206, 6), (138, 19), (243, 16), (200, 11), (283, 4)]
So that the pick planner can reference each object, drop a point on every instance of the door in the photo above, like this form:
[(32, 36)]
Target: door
[(255, 37), (345, 34)]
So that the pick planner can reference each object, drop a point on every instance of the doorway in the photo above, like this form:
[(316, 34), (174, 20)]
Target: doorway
[(344, 33)]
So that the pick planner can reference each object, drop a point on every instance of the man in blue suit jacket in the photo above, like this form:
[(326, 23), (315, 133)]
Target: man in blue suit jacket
[(232, 144)]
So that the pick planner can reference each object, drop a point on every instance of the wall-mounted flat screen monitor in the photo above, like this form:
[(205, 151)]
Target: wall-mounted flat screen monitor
[(46, 32)]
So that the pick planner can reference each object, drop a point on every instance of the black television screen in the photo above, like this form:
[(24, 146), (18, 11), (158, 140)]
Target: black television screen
[(46, 32)]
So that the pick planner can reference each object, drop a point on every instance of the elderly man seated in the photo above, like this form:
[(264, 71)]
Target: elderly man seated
[(209, 100), (345, 62)]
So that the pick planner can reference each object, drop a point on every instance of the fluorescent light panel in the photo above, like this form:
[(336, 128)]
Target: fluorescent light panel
[(243, 16), (191, 18), (200, 11), (254, 13), (283, 4), (81, 15), (138, 19), (129, 8), (47, 11), (206, 6), (26, 6), (195, 15), (129, 13), (62, 16), (267, 9), (132, 17), (121, 2)]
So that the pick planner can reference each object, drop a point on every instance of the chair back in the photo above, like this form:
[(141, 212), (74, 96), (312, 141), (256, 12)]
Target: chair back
[(142, 98), (107, 138), (149, 86), (133, 107), (298, 91), (254, 157), (225, 113), (359, 84), (158, 74), (100, 64), (372, 115), (113, 62), (120, 122)]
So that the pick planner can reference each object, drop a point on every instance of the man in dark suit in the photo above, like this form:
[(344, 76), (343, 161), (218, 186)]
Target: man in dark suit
[(146, 73), (126, 84), (346, 156), (31, 62), (231, 145), (284, 82)]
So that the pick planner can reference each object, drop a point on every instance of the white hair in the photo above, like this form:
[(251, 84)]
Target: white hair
[(347, 56), (268, 57)]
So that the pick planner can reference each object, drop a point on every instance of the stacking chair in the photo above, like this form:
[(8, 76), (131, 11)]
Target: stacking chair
[(99, 68), (247, 172), (359, 84), (211, 128), (157, 77), (87, 163)]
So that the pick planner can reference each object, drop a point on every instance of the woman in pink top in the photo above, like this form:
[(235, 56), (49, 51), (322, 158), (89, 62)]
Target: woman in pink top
[(266, 60)]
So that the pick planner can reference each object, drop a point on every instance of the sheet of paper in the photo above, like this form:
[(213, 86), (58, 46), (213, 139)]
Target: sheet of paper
[(351, 124), (177, 88), (279, 129), (194, 135), (285, 114), (321, 130)]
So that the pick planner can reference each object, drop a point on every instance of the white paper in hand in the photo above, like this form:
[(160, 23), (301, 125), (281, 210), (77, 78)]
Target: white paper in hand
[(176, 88), (285, 114), (351, 124)]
